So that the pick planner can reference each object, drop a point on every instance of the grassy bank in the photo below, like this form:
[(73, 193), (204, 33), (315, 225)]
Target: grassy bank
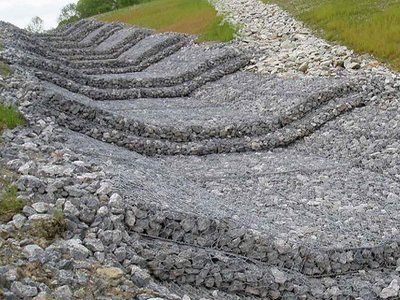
[(9, 203), (187, 16), (367, 26), (9, 118)]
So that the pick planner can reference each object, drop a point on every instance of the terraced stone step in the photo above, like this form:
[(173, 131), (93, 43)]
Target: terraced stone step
[(156, 118), (90, 41), (77, 34), (40, 47), (66, 29), (155, 76), (178, 90), (145, 55), (191, 212)]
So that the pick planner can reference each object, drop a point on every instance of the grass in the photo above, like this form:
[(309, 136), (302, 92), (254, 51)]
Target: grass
[(9, 203), (51, 228), (4, 69), (9, 117), (367, 26), (187, 16)]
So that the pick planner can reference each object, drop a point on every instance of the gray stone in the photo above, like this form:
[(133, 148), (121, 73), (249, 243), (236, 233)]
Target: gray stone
[(63, 293), (390, 291), (18, 221), (41, 207), (76, 249), (94, 244), (66, 277), (280, 277), (22, 290), (116, 204), (33, 251), (130, 219), (70, 209)]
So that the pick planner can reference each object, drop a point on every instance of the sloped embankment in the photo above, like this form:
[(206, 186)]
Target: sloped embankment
[(219, 191)]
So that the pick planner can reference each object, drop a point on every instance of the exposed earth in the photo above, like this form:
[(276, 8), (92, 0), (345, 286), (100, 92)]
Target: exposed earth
[(263, 168)]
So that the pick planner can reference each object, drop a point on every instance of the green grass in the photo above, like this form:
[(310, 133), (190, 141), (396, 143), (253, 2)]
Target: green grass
[(4, 69), (367, 26), (187, 16), (9, 203), (9, 117)]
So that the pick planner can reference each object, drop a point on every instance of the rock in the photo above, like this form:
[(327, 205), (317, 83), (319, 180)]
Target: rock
[(22, 290), (27, 168), (116, 204), (66, 277), (76, 249), (63, 293), (391, 291), (28, 211), (393, 198), (43, 296), (32, 251), (29, 181), (102, 211), (279, 276), (105, 188), (110, 273), (74, 191), (130, 219), (18, 221), (94, 244), (140, 276), (41, 207), (56, 170), (70, 209), (303, 67), (120, 254)]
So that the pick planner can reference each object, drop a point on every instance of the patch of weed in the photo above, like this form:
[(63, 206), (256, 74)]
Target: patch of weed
[(9, 117), (5, 70), (9, 203), (49, 228)]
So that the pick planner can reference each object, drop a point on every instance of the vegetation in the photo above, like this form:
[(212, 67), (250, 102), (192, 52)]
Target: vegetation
[(35, 25), (68, 14), (86, 8), (9, 117), (188, 16), (49, 228), (367, 26), (4, 69), (9, 203)]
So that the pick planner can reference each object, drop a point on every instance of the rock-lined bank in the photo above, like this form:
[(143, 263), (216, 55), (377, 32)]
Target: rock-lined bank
[(225, 233), (286, 47)]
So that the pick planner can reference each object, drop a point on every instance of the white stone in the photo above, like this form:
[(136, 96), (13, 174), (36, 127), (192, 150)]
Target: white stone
[(279, 276), (41, 207), (391, 291), (70, 209)]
